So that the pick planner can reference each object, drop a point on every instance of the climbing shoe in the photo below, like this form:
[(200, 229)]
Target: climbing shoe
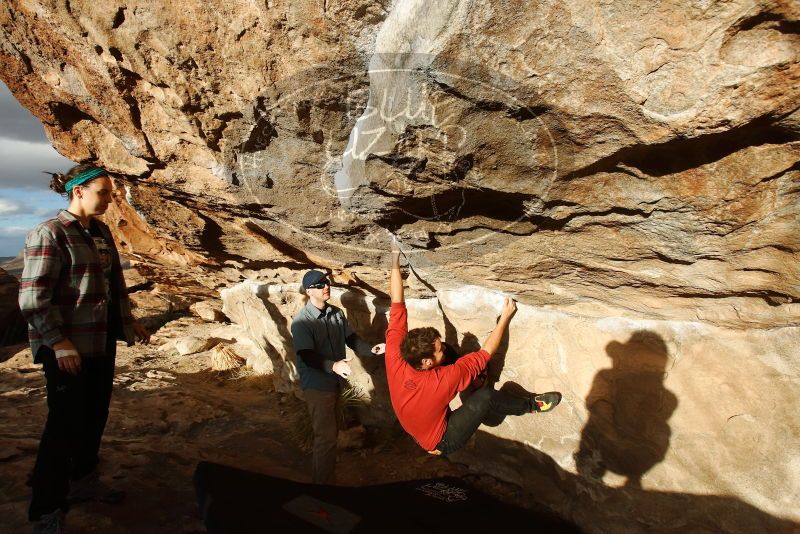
[(545, 402)]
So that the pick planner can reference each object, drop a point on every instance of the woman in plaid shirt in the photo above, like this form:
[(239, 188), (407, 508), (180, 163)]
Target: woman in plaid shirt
[(73, 295)]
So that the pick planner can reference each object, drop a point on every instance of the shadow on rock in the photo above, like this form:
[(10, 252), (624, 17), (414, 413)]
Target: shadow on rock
[(627, 431), (371, 328), (602, 509)]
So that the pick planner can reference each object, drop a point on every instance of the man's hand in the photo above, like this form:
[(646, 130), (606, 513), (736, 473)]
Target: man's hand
[(509, 308), (492, 343), (342, 368), (141, 332), (71, 363), (379, 349)]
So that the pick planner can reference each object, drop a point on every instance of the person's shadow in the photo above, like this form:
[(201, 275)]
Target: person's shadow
[(627, 431), (369, 324)]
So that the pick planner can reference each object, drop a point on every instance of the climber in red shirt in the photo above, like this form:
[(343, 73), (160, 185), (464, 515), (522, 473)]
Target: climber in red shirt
[(421, 388)]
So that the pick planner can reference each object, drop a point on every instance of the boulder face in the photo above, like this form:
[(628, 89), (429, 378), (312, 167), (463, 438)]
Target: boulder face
[(634, 158), (630, 168), (655, 431), (13, 327)]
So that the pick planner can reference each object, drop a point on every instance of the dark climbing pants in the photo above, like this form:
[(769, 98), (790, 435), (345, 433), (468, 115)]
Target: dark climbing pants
[(76, 418), (484, 404)]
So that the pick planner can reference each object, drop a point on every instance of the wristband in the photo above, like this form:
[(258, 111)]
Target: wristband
[(63, 353)]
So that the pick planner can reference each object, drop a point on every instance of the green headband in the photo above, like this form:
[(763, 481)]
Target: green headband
[(84, 177)]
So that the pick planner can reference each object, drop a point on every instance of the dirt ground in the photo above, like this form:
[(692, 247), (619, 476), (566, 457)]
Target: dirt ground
[(168, 412)]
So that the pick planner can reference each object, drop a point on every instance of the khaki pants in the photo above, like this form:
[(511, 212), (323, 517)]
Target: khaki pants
[(322, 408)]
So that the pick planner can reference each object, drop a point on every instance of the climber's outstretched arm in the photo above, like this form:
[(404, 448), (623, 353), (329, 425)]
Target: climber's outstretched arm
[(396, 278)]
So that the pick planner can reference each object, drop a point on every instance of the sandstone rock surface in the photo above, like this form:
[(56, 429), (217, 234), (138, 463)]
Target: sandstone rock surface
[(651, 409), (208, 310), (628, 170), (628, 157), (13, 327), (193, 345)]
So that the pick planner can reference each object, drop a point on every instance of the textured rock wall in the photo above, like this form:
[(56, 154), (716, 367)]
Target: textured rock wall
[(629, 157), (13, 328), (619, 167), (655, 432)]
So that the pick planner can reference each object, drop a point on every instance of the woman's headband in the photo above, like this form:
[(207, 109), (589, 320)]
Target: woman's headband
[(84, 177)]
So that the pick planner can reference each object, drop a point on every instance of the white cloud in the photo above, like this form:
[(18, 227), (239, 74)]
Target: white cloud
[(20, 210), (13, 209), (12, 231), (24, 163), (9, 207), (18, 122), (25, 198)]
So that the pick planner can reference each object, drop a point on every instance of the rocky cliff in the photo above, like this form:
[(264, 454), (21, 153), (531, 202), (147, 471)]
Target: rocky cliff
[(13, 328), (628, 170)]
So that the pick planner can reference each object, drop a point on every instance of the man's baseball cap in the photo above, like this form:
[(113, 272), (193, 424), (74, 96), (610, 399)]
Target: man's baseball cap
[(312, 277)]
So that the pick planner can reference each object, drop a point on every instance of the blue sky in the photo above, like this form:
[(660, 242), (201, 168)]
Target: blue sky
[(25, 198)]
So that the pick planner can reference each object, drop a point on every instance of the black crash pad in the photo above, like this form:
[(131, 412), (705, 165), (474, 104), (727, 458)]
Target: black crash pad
[(237, 501)]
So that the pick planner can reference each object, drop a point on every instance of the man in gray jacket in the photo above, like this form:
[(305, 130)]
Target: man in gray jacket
[(320, 332)]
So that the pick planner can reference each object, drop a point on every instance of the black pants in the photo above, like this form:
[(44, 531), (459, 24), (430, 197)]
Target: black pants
[(76, 418), (483, 404)]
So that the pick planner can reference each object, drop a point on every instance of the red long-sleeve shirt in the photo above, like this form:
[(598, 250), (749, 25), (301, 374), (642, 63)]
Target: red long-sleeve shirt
[(421, 399)]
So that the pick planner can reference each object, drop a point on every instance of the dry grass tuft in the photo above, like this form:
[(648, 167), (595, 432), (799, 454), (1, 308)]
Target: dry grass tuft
[(224, 359), (245, 376)]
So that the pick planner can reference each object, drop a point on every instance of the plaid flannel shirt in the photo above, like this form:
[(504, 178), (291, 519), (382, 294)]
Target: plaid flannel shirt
[(62, 293)]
